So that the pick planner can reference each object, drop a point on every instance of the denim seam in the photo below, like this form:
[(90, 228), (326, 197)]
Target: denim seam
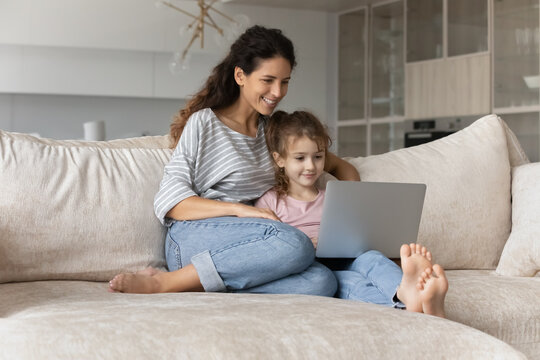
[(397, 305), (232, 223), (377, 287), (229, 247), (177, 255)]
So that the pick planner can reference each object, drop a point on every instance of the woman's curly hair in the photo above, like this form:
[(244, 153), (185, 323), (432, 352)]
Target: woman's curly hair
[(221, 90)]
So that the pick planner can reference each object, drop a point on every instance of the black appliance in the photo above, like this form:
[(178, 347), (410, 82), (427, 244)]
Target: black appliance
[(423, 132)]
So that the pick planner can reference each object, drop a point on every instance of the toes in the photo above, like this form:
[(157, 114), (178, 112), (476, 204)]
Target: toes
[(439, 271), (116, 283), (428, 255), (424, 276), (405, 251), (112, 286)]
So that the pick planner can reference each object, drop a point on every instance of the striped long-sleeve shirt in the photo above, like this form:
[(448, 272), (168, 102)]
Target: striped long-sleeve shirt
[(214, 162)]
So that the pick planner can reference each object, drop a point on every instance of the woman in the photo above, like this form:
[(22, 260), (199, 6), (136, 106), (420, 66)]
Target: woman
[(217, 241)]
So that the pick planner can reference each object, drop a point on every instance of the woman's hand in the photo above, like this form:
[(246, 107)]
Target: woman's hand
[(243, 210), (315, 241)]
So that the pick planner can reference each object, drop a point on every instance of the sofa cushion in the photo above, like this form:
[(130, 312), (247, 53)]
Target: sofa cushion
[(467, 212), (516, 153), (81, 320), (521, 254), (79, 210), (503, 306)]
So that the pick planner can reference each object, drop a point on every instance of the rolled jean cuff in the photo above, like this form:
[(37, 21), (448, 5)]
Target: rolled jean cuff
[(208, 275)]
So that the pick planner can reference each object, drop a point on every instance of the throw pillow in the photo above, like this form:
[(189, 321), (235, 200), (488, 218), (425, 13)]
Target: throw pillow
[(79, 210), (521, 254), (466, 218)]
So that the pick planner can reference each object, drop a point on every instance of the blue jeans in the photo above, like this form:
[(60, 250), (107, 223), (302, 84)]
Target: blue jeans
[(248, 255), (371, 278)]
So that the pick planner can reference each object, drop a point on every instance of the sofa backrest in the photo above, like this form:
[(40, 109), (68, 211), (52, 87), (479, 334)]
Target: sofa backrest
[(84, 210), (79, 210)]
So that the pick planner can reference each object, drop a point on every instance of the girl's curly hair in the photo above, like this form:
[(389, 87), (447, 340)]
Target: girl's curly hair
[(281, 127)]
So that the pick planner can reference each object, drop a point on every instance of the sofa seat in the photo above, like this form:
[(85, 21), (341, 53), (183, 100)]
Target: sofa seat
[(77, 319), (506, 307)]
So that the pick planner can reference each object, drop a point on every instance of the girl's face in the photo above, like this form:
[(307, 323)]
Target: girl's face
[(264, 88), (303, 164)]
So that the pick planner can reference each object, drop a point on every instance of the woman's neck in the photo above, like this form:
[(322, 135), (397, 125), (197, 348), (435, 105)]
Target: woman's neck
[(303, 193), (242, 119)]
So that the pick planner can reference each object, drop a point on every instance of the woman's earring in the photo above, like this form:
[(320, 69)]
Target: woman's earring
[(282, 170)]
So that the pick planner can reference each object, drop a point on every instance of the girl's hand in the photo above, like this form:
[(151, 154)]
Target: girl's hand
[(315, 241), (243, 210)]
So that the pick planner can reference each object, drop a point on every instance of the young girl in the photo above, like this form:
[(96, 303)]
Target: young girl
[(299, 143)]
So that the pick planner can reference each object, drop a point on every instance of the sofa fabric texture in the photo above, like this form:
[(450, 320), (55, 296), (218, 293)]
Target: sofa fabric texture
[(79, 210), (503, 306), (81, 320), (521, 254)]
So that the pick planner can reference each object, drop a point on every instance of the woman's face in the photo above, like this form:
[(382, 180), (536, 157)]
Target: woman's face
[(264, 88)]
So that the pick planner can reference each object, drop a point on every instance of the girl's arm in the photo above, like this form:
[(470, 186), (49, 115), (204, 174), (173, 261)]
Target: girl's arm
[(196, 208), (340, 168)]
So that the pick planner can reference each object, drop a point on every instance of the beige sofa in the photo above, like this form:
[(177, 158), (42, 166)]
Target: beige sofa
[(74, 213)]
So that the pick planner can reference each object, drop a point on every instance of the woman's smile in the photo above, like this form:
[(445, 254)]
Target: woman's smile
[(263, 89)]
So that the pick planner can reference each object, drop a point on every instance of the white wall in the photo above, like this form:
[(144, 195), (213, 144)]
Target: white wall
[(62, 116), (5, 111), (120, 48)]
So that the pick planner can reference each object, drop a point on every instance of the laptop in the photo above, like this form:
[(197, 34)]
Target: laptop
[(360, 216)]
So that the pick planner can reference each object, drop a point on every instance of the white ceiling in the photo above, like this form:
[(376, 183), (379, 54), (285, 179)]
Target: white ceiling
[(317, 5)]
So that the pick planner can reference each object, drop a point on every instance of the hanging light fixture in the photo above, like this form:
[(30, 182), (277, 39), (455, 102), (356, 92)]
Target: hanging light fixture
[(196, 29)]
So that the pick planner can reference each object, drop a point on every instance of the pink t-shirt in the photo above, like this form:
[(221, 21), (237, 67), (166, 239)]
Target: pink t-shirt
[(303, 215)]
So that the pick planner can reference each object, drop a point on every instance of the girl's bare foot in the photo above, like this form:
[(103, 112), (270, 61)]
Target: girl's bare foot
[(414, 260), (135, 283), (432, 286)]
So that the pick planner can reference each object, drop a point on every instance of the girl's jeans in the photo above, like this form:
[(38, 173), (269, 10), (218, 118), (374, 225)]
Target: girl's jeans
[(371, 278), (248, 255)]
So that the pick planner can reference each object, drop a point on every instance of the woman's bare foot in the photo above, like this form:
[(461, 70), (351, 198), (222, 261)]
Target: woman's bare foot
[(414, 260), (150, 271), (432, 286), (150, 280), (135, 283)]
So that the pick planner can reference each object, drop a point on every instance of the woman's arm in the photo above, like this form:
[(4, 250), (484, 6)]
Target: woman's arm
[(340, 168), (196, 208)]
